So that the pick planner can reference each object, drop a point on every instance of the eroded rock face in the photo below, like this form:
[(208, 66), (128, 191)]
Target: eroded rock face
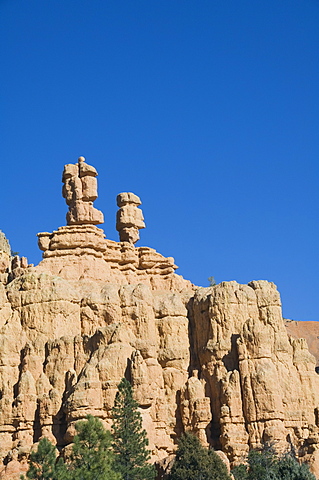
[(64, 350), (214, 361), (217, 362), (262, 383)]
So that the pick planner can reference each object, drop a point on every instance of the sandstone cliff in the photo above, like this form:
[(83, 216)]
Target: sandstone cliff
[(216, 361)]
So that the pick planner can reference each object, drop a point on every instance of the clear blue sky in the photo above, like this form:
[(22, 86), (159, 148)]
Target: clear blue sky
[(206, 109)]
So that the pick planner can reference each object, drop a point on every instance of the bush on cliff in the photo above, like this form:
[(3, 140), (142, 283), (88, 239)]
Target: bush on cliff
[(194, 462), (129, 438)]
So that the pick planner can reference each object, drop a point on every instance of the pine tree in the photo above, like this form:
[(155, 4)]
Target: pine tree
[(42, 462), (92, 457), (266, 465), (290, 469), (263, 465), (194, 462), (130, 440)]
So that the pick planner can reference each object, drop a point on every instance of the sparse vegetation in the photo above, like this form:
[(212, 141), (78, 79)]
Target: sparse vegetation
[(94, 456)]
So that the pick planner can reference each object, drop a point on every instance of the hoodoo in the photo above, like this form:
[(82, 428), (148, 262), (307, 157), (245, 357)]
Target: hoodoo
[(214, 361)]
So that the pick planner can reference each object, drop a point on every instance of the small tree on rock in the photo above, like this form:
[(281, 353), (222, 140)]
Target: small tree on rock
[(129, 438), (194, 462)]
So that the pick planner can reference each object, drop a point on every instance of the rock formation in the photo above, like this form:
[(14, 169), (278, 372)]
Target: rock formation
[(215, 361), (129, 218), (5, 255), (80, 191)]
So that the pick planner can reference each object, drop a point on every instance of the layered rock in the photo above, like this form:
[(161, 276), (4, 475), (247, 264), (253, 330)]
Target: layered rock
[(11, 265), (214, 361), (81, 253)]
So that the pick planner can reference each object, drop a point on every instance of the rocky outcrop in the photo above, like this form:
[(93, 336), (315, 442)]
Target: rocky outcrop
[(309, 330), (214, 361)]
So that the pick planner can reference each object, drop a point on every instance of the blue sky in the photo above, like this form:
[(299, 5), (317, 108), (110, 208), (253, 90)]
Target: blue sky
[(206, 109)]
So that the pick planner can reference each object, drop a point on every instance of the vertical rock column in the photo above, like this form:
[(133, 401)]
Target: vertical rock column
[(129, 218), (80, 191)]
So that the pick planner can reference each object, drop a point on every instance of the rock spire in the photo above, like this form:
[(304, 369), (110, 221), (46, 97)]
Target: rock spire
[(80, 191), (129, 218)]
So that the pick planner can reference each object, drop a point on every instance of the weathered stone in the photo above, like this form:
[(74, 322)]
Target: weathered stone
[(195, 408), (262, 384)]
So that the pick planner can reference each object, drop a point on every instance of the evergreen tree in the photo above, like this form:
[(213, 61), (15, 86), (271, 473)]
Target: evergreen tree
[(266, 465), (42, 462), (92, 457), (194, 462), (263, 465), (129, 439), (290, 469)]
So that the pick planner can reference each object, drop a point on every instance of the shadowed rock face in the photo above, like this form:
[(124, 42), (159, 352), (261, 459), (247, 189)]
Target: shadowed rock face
[(215, 361), (308, 330)]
